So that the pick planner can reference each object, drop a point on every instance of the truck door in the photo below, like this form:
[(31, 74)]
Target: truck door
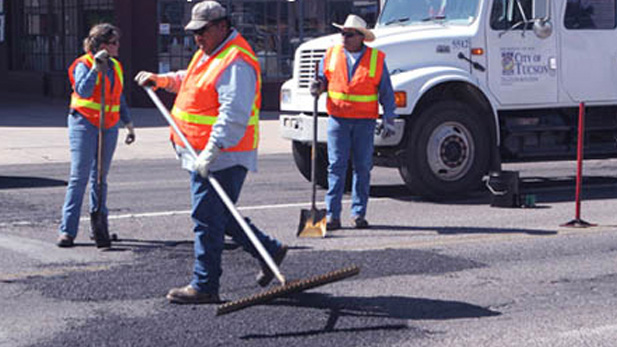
[(589, 50), (521, 66)]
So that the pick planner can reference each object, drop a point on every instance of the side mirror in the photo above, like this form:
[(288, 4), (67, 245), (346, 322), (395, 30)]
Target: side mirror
[(542, 28)]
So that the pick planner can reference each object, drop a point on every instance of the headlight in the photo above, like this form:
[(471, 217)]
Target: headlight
[(285, 96)]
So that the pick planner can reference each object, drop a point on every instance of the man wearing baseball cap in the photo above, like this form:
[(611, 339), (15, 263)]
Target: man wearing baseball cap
[(356, 78), (217, 110)]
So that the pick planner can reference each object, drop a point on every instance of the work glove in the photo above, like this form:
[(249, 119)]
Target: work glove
[(145, 79), (130, 135), (206, 158), (316, 87), (101, 61), (385, 128)]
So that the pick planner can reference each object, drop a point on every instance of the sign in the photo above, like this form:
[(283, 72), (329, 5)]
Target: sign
[(164, 28)]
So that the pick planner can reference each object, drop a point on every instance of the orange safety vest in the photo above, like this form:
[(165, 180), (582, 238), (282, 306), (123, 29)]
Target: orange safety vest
[(90, 107), (197, 106), (356, 98)]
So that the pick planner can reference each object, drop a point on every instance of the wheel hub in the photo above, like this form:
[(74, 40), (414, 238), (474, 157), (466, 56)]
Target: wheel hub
[(453, 151), (450, 151)]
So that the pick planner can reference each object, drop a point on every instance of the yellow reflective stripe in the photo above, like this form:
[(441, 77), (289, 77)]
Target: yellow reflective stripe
[(373, 69), (76, 102), (351, 97), (228, 50), (254, 120), (333, 57), (119, 71), (193, 118)]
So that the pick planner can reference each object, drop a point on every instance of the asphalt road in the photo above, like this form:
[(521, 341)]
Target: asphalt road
[(450, 273)]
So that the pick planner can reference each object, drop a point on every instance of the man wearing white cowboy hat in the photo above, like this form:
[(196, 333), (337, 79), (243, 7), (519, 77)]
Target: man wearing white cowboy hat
[(356, 78)]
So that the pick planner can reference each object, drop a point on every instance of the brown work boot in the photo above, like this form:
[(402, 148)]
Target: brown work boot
[(265, 276), (360, 223), (189, 295), (65, 240)]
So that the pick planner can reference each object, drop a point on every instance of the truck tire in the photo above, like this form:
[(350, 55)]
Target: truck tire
[(302, 158), (448, 151)]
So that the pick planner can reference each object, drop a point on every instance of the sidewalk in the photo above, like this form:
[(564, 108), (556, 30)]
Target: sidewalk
[(33, 131)]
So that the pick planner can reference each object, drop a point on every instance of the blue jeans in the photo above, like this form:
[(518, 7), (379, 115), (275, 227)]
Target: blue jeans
[(213, 221), (83, 142), (345, 136)]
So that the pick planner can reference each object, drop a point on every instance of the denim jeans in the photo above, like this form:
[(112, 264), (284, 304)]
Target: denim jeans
[(349, 136), (83, 143), (213, 221)]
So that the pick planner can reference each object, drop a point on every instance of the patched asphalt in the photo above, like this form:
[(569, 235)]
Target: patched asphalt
[(321, 316)]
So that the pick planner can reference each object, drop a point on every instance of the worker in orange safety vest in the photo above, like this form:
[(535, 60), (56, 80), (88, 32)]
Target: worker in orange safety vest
[(217, 110), (85, 74), (356, 79)]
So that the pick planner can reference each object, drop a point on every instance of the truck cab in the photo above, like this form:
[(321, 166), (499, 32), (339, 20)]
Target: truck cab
[(477, 83)]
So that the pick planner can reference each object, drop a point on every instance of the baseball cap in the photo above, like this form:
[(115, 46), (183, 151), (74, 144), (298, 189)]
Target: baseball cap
[(204, 13)]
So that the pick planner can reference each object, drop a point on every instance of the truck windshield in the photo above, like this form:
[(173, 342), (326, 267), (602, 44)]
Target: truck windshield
[(409, 12)]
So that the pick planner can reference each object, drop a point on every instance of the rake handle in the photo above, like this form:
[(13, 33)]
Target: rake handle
[(220, 191)]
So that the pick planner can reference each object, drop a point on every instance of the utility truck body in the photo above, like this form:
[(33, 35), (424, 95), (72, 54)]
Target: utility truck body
[(477, 83)]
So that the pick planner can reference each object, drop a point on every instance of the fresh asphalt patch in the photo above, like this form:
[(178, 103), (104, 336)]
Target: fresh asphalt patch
[(322, 316)]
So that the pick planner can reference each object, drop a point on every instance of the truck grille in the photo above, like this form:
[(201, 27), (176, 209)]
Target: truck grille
[(306, 68)]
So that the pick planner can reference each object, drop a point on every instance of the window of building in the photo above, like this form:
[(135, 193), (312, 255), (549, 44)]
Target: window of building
[(274, 28), (51, 31), (590, 14)]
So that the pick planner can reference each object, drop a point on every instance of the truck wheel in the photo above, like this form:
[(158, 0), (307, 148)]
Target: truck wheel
[(448, 151), (302, 158)]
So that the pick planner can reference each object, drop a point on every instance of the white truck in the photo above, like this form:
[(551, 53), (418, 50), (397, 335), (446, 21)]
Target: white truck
[(477, 83)]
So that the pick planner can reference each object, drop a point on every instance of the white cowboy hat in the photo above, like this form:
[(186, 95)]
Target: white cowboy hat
[(356, 23)]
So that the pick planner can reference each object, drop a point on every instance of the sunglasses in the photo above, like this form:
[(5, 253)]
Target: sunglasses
[(113, 43), (348, 34)]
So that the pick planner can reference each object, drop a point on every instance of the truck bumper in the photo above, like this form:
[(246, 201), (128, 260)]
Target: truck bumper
[(299, 127)]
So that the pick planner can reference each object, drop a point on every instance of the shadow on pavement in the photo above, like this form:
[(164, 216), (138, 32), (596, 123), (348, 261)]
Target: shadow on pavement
[(466, 230), (397, 307), (15, 182), (545, 189)]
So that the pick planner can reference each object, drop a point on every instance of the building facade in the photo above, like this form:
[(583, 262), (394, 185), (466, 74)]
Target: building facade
[(39, 39)]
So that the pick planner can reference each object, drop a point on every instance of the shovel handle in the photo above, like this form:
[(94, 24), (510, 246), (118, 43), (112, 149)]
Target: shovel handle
[(220, 191)]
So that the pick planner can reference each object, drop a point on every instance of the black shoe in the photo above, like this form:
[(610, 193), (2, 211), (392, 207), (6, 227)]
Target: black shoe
[(360, 223), (265, 276), (334, 224), (65, 240)]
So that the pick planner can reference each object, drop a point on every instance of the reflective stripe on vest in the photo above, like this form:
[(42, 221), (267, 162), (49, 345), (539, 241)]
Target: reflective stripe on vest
[(196, 107), (358, 97)]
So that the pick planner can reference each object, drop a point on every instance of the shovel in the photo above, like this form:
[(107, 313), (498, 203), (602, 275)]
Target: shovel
[(313, 222), (98, 220)]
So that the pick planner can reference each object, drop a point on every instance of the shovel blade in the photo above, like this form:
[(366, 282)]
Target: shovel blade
[(98, 223), (312, 223)]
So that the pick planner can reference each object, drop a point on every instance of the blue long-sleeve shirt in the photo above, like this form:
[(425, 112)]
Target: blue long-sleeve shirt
[(236, 93), (85, 80), (386, 93)]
